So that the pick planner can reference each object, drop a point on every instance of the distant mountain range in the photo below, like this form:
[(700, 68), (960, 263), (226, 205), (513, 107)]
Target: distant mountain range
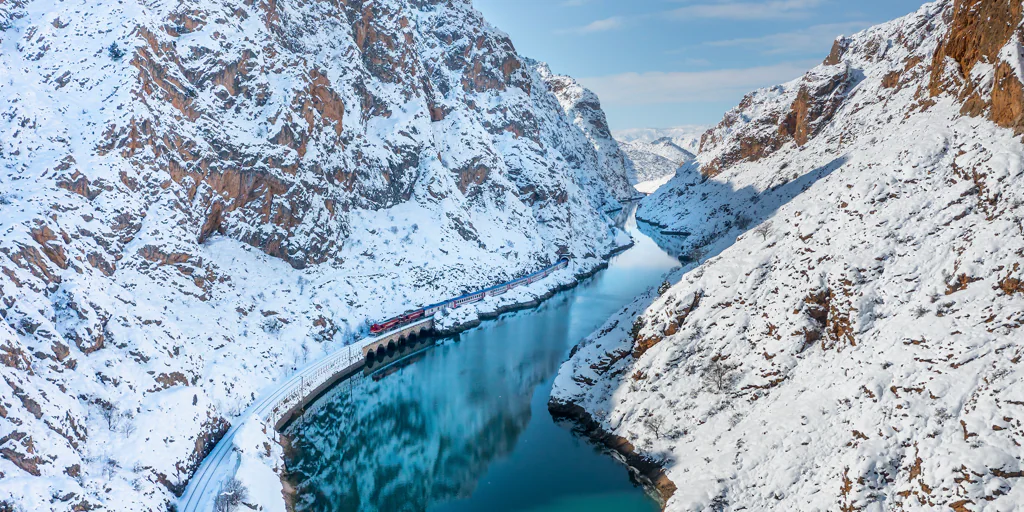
[(686, 137), (657, 152), (655, 162)]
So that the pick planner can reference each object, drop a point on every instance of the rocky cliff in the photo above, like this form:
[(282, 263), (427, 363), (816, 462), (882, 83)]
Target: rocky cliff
[(584, 108), (845, 333), (196, 197)]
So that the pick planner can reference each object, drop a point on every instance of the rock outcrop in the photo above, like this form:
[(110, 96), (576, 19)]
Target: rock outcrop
[(196, 197), (979, 60), (856, 239)]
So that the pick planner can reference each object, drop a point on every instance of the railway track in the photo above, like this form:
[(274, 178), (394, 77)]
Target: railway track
[(282, 399), (222, 462)]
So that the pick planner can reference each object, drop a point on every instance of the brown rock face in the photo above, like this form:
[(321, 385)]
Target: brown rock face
[(814, 107), (14, 357), (24, 462), (325, 101), (641, 344), (1011, 284), (796, 124), (213, 223), (891, 80), (254, 185), (978, 32), (830, 311), (481, 72), (80, 185), (816, 103), (45, 237), (838, 49), (1008, 99), (168, 380), (756, 142), (32, 259), (473, 175), (267, 193)]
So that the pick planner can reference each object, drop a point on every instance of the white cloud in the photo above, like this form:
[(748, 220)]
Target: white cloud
[(817, 38), (722, 9), (631, 89), (613, 23), (770, 9)]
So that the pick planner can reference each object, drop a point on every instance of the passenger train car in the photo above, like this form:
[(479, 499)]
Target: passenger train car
[(433, 309)]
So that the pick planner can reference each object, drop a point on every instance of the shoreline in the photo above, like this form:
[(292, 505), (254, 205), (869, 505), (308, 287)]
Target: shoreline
[(540, 299), (662, 228), (647, 472), (290, 489)]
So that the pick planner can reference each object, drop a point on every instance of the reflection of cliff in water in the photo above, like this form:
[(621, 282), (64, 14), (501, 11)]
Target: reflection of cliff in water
[(427, 432), (622, 216), (676, 245)]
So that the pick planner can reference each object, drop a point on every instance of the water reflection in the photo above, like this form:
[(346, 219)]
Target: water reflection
[(676, 245), (622, 216), (464, 426)]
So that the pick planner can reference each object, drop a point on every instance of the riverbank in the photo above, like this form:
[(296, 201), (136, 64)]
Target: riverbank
[(522, 305), (462, 427), (299, 387), (646, 471)]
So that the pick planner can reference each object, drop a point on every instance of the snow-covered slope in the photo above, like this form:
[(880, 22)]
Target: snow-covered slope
[(848, 333), (197, 197), (655, 162), (584, 108)]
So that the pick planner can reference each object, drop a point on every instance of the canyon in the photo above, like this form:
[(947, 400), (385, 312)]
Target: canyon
[(200, 197)]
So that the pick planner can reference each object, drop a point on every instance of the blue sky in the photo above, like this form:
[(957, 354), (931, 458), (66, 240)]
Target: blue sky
[(661, 63)]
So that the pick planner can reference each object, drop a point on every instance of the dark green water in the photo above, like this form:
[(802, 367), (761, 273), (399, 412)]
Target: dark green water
[(464, 426)]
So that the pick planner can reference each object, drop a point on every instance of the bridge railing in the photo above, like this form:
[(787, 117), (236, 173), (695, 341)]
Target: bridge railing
[(294, 392)]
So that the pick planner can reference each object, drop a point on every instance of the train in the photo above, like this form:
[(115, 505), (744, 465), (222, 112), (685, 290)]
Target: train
[(428, 311)]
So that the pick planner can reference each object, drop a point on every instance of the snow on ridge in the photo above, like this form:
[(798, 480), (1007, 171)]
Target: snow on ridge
[(845, 335), (655, 162), (686, 137), (199, 198)]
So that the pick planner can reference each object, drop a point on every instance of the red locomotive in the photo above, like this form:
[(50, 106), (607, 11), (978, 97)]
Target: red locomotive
[(387, 325)]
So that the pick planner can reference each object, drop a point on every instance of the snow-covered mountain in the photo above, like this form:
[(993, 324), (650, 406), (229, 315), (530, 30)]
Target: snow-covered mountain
[(655, 162), (584, 108), (197, 197), (686, 137), (847, 332)]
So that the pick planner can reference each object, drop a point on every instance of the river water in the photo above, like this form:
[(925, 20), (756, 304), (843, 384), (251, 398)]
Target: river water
[(464, 426)]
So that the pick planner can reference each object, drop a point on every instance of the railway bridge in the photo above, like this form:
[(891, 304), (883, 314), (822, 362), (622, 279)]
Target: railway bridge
[(288, 399), (398, 340)]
